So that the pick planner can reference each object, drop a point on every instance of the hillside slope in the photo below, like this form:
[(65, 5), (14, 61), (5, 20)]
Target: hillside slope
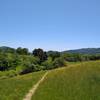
[(77, 82)]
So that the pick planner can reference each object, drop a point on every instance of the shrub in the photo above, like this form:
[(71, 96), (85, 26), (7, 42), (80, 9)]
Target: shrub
[(59, 62), (11, 73), (38, 68), (47, 64)]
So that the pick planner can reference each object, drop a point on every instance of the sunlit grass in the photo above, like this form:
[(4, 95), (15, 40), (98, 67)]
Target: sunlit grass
[(16, 88), (77, 82)]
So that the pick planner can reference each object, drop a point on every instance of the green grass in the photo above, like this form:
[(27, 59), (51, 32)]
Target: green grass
[(77, 82), (16, 88)]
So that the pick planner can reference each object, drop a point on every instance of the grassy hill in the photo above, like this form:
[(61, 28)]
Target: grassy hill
[(16, 88), (77, 82)]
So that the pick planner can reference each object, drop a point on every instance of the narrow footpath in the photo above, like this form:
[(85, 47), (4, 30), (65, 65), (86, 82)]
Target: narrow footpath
[(32, 91)]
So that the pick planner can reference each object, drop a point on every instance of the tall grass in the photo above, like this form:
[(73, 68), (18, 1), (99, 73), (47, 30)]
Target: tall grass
[(79, 82), (16, 88)]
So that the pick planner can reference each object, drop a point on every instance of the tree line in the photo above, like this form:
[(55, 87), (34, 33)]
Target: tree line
[(21, 61)]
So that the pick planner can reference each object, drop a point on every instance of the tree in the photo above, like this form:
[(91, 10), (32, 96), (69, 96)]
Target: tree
[(53, 54), (3, 62), (19, 50), (22, 51), (25, 51), (40, 54)]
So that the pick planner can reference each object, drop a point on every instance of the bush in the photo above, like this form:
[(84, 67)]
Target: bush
[(11, 73), (59, 62), (6, 74), (47, 64), (38, 68), (24, 69)]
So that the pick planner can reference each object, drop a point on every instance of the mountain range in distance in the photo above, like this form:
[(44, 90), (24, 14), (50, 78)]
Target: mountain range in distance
[(84, 51)]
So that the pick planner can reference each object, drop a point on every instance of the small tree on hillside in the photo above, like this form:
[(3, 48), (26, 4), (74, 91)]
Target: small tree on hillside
[(53, 54), (22, 51), (40, 54)]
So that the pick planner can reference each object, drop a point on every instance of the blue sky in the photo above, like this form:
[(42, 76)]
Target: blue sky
[(50, 24)]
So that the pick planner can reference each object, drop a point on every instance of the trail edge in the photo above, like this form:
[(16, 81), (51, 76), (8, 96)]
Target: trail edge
[(33, 90)]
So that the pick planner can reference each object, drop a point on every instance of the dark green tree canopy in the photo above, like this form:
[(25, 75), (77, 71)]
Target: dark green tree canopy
[(53, 54), (22, 51), (40, 54)]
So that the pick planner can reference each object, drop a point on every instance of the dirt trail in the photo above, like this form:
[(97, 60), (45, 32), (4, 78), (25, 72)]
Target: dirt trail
[(32, 91)]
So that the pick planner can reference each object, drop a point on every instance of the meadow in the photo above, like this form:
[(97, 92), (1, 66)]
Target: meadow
[(76, 82), (17, 87)]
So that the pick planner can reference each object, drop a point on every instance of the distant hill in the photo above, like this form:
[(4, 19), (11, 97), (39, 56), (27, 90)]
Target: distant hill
[(85, 51), (5, 49)]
